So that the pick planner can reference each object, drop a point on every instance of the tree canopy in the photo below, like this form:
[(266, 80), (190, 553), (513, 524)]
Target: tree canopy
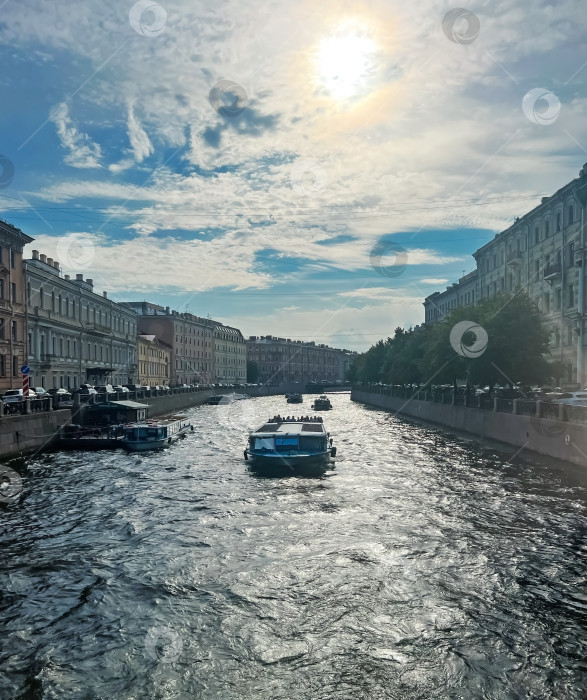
[(502, 340)]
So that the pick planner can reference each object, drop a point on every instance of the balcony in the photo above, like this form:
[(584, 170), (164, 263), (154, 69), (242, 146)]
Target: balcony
[(552, 271), (98, 327), (514, 257)]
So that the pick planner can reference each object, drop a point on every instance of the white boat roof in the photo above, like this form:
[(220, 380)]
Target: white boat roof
[(291, 428)]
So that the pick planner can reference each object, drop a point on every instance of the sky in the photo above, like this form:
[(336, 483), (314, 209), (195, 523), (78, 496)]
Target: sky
[(307, 170)]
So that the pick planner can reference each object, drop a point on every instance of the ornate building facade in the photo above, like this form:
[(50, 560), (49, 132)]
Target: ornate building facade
[(13, 337), (75, 336), (230, 354), (190, 338), (542, 254), (154, 361), (282, 360)]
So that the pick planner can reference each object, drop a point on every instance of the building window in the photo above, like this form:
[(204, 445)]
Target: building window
[(557, 299), (12, 259), (570, 295), (571, 254), (559, 221), (546, 228), (15, 365), (3, 365), (569, 335), (1, 289), (52, 301), (60, 305), (536, 235), (571, 214), (14, 330), (13, 292), (2, 326), (41, 297)]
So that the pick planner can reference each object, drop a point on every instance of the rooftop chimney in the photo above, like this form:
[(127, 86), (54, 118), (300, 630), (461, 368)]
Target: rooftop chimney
[(90, 282), (66, 277), (43, 258), (79, 278), (105, 295), (50, 261), (35, 254), (56, 264)]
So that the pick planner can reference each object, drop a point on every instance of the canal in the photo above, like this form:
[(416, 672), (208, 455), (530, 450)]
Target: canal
[(422, 566)]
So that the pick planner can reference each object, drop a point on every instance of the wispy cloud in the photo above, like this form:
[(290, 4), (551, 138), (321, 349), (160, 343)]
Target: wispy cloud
[(83, 152), (139, 141)]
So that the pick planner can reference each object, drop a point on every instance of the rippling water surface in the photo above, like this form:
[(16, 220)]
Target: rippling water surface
[(420, 567)]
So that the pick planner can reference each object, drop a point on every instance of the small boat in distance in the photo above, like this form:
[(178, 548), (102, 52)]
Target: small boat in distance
[(294, 444), (295, 398), (153, 434), (223, 399), (322, 403)]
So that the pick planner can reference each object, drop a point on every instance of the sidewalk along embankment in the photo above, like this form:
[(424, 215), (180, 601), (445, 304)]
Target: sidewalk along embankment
[(26, 434), (560, 438)]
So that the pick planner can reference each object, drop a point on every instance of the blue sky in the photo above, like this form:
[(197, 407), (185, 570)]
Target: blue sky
[(311, 170)]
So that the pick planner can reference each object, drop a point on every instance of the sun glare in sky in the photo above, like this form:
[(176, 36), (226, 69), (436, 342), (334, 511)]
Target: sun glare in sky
[(345, 61)]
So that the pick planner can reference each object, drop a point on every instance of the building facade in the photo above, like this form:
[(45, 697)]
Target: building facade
[(13, 337), (542, 254), (230, 354), (75, 336), (154, 361), (282, 360), (190, 338)]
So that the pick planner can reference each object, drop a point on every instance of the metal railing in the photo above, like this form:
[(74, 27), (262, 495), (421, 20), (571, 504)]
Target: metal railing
[(524, 407)]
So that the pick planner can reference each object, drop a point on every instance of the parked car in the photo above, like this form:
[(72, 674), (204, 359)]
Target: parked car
[(40, 391), (17, 395), (133, 387), (575, 398), (121, 389), (53, 392), (104, 389), (86, 389)]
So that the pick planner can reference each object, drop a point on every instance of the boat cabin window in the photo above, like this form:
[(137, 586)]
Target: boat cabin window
[(264, 444), (286, 443)]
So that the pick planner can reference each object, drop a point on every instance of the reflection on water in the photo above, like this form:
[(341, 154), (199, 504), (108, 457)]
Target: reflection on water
[(421, 566)]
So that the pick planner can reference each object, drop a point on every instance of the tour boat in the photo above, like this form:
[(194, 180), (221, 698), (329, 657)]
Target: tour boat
[(295, 398), (152, 434), (281, 444), (322, 403), (220, 399)]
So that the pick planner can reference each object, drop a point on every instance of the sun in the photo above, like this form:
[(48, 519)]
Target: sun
[(345, 61)]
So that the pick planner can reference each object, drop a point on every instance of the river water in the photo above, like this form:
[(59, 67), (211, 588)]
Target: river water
[(421, 566)]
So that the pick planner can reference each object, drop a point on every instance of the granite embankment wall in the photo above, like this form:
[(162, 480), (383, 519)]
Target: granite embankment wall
[(560, 439), (23, 434)]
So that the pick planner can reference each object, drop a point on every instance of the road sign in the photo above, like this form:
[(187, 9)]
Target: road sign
[(25, 369)]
